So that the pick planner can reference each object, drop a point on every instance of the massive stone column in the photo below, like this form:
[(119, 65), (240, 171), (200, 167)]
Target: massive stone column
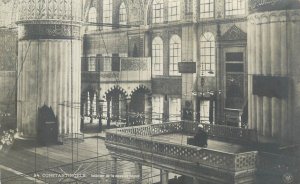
[(273, 53), (49, 63)]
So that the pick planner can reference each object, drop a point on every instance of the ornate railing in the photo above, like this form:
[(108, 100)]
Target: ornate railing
[(154, 129), (204, 157), (140, 142), (216, 131), (224, 132)]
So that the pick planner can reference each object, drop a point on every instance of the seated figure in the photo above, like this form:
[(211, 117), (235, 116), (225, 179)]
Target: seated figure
[(200, 139)]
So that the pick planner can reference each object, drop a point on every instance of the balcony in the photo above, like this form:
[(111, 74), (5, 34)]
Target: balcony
[(112, 69), (164, 146)]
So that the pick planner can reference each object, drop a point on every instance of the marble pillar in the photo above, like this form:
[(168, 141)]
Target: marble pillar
[(273, 40), (49, 63)]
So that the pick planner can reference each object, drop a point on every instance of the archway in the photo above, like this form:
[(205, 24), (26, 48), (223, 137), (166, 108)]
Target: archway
[(140, 106), (116, 106)]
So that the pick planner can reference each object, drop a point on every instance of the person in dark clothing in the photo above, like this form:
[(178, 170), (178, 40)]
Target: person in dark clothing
[(200, 139)]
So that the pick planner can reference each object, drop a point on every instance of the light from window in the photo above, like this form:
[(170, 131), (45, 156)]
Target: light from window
[(157, 11), (174, 109), (107, 13), (157, 109), (92, 64), (175, 54), (92, 18), (157, 56), (88, 104), (235, 7), (207, 54), (206, 8), (123, 14), (204, 111), (173, 10), (107, 64), (94, 105)]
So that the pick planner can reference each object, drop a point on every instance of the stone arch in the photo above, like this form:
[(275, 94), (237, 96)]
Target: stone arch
[(116, 104), (140, 105), (140, 87), (115, 87)]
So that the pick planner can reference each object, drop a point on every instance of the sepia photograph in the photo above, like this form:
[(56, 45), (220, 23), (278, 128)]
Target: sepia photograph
[(150, 91)]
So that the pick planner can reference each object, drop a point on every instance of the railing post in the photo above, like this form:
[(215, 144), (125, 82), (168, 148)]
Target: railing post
[(164, 177), (139, 173), (196, 180), (114, 171)]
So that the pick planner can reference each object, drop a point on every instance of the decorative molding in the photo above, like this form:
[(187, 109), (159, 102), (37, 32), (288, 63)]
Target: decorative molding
[(270, 5), (50, 10), (132, 64), (234, 33), (140, 87), (115, 87), (274, 16), (49, 31)]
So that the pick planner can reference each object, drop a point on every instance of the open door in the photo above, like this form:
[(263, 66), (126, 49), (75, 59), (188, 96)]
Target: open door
[(47, 126)]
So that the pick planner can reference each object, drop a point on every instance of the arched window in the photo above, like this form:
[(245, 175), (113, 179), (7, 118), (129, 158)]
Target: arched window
[(173, 10), (207, 54), (92, 18), (123, 14), (157, 11), (175, 54), (107, 13), (157, 56)]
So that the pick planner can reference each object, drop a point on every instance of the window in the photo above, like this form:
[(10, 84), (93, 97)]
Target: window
[(188, 6), (107, 12), (206, 8), (92, 64), (123, 14), (204, 111), (92, 18), (174, 109), (157, 56), (175, 54), (173, 10), (157, 109), (207, 54), (157, 11), (235, 7), (107, 64)]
